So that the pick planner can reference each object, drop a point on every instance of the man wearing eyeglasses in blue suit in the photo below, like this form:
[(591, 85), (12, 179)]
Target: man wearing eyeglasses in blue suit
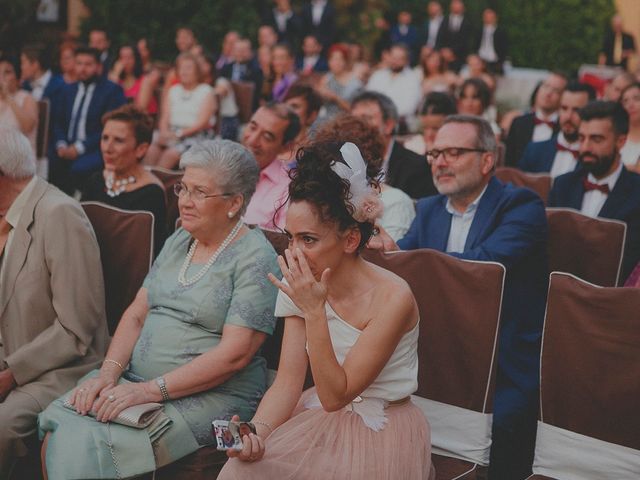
[(476, 217)]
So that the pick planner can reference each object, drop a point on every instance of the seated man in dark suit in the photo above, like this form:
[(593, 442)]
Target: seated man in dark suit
[(559, 154), (458, 35), (602, 187), (540, 124), (244, 68), (36, 75), (476, 217), (312, 60), (402, 168), (618, 46), (77, 122), (285, 21), (405, 33), (492, 43), (318, 17)]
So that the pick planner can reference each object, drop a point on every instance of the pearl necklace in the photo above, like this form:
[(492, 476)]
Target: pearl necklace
[(121, 184), (182, 280)]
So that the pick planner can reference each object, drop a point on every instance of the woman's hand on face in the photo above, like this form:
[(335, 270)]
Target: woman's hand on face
[(303, 289), (252, 447), (84, 395), (113, 400)]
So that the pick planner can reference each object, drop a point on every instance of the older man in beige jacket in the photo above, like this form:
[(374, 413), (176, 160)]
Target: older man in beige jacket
[(52, 315)]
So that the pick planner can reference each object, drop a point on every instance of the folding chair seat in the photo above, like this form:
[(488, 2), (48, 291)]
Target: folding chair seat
[(125, 238), (538, 182), (459, 303), (589, 427), (589, 248)]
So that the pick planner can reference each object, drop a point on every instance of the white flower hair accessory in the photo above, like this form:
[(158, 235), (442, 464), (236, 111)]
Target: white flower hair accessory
[(366, 201)]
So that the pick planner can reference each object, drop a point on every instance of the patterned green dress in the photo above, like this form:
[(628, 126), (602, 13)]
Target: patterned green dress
[(182, 323)]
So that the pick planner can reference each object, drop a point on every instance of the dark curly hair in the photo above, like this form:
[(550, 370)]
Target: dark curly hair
[(313, 181)]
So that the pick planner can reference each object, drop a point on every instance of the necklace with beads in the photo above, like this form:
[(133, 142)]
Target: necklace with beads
[(120, 185), (182, 280)]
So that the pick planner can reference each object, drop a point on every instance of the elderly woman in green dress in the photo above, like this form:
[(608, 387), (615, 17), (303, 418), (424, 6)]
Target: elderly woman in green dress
[(189, 339)]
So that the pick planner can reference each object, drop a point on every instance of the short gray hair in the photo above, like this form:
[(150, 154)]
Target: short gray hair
[(485, 138), (17, 158), (234, 168)]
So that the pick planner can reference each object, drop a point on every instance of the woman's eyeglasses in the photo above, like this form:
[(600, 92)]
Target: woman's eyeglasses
[(181, 190)]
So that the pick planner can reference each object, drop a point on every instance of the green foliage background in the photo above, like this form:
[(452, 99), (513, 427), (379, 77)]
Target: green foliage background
[(543, 33)]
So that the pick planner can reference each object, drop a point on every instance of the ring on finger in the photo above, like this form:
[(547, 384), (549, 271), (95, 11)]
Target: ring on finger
[(111, 398)]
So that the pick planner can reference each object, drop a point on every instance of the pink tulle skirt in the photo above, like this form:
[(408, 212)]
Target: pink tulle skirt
[(314, 444)]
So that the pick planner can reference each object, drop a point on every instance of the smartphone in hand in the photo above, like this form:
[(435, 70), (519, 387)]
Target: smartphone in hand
[(229, 435)]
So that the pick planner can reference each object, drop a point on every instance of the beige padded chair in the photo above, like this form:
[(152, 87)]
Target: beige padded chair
[(590, 371), (459, 303)]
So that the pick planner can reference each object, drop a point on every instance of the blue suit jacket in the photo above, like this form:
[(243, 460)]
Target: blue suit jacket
[(509, 227), (538, 156), (56, 82), (623, 203), (321, 65), (107, 96)]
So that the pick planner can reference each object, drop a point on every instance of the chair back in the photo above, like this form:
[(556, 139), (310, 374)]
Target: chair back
[(459, 303), (42, 135), (589, 248), (538, 182), (273, 344), (589, 388), (244, 92), (590, 365), (169, 178), (126, 250)]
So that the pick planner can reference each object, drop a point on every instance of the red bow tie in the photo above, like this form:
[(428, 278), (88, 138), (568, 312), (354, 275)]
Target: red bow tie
[(538, 121), (562, 148), (589, 186)]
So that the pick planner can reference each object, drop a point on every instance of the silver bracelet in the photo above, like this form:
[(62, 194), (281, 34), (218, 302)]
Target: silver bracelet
[(163, 389), (258, 422), (115, 362)]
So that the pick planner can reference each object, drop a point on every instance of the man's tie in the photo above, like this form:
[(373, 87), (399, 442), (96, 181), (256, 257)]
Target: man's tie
[(562, 148), (590, 186), (5, 228), (617, 49), (75, 121), (539, 121)]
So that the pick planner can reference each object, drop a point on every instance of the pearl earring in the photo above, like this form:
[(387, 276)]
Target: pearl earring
[(230, 214)]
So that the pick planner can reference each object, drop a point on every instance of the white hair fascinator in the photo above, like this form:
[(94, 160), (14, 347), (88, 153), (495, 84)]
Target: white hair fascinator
[(364, 198)]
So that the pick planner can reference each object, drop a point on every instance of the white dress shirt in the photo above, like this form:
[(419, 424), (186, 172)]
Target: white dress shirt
[(564, 161), (434, 28), (593, 201), (454, 22), (317, 8), (39, 84), (281, 19), (309, 62), (82, 121), (403, 88), (630, 153), (487, 50), (461, 224), (543, 131)]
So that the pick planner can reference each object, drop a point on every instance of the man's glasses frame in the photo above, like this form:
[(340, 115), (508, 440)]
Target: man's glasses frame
[(451, 154), (180, 189)]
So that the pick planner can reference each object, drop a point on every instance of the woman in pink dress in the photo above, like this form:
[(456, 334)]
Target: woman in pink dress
[(138, 87), (355, 324)]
